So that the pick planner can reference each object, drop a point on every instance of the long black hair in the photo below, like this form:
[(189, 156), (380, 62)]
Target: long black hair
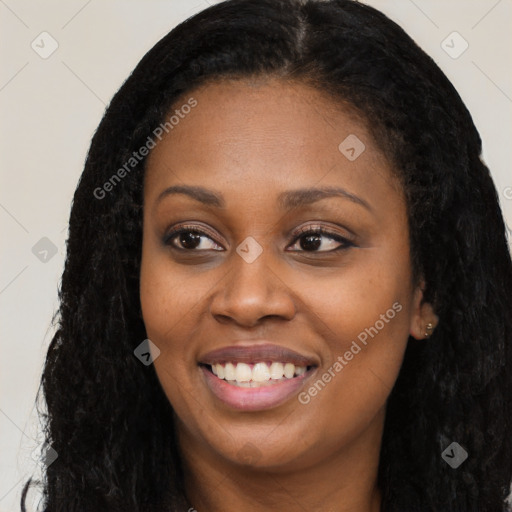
[(106, 414)]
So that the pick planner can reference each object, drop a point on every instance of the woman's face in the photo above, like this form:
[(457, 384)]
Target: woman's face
[(308, 329)]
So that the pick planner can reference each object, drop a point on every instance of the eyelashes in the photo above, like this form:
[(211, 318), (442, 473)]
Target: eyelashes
[(315, 239), (189, 236), (313, 235)]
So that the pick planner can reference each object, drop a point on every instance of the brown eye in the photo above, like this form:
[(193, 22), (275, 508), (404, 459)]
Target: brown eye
[(320, 240), (191, 239)]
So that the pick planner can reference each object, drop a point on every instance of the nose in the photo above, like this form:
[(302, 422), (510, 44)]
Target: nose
[(251, 292)]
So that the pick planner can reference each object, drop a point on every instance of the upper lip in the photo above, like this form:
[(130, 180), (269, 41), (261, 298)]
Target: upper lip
[(256, 353)]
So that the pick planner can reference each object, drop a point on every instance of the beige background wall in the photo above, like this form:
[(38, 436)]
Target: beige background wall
[(50, 107)]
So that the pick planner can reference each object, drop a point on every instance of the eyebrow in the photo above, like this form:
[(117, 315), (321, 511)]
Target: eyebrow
[(200, 194), (286, 200), (304, 196)]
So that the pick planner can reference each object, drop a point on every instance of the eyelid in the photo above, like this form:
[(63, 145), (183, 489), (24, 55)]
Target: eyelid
[(179, 228), (348, 236), (345, 240), (326, 229)]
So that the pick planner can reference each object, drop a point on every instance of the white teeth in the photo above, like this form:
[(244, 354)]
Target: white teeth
[(289, 370), (259, 374), (276, 371), (220, 371), (243, 372), (300, 370), (229, 372)]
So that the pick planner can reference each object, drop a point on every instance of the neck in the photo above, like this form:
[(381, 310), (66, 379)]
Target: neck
[(344, 481)]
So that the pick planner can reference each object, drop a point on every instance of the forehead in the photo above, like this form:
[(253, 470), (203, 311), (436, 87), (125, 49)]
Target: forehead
[(252, 131)]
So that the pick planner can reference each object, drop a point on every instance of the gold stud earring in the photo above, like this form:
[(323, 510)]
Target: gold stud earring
[(428, 330)]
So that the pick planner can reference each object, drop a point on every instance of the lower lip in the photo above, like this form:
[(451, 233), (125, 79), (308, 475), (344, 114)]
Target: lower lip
[(254, 399)]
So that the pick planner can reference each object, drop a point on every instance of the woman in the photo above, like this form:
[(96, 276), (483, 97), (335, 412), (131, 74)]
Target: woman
[(287, 281)]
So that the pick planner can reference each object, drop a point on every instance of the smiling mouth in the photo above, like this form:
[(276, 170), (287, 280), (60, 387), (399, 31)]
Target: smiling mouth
[(259, 374), (256, 377)]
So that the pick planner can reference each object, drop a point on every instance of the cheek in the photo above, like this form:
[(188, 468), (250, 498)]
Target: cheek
[(366, 341), (173, 302), (350, 391), (368, 313), (169, 296), (365, 315), (367, 294), (167, 302)]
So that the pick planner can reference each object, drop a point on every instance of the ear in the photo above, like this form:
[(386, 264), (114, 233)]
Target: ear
[(423, 318)]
